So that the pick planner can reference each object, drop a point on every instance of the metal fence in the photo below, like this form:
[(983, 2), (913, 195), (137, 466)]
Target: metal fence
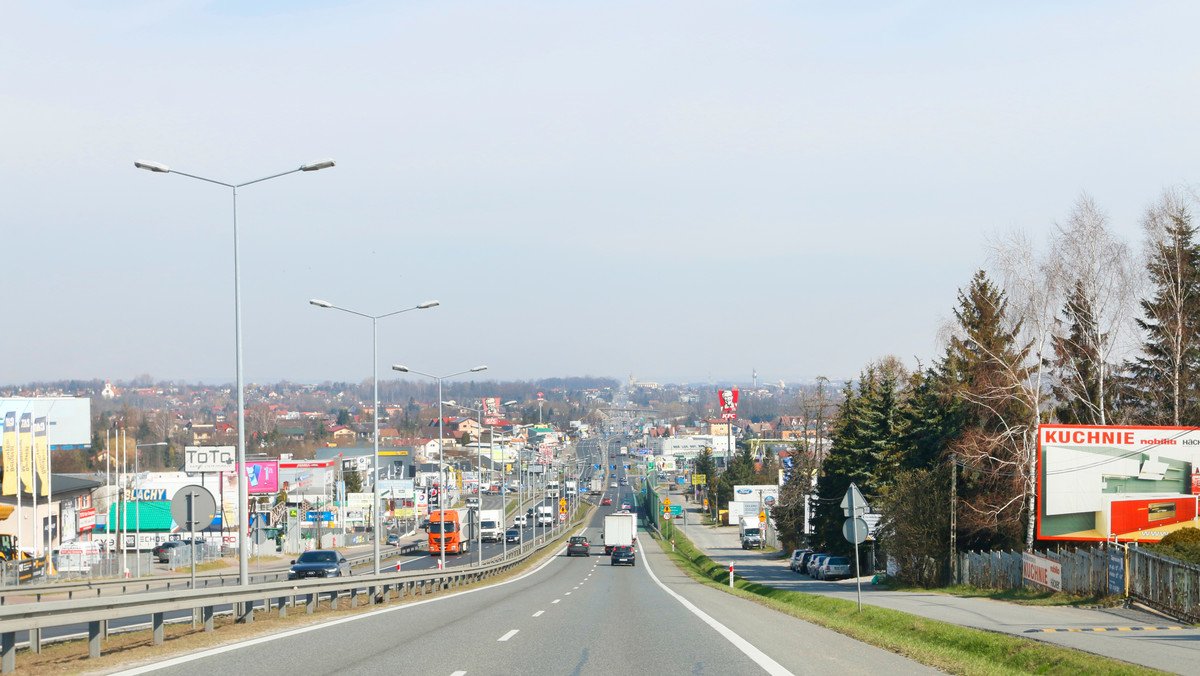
[(1084, 571), (1167, 584)]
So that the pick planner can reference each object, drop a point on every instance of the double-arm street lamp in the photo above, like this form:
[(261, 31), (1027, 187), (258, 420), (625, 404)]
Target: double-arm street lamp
[(243, 489), (441, 442), (479, 443), (374, 402)]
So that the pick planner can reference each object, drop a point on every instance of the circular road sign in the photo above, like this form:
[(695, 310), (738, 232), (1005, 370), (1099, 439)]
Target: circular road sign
[(855, 530), (204, 507)]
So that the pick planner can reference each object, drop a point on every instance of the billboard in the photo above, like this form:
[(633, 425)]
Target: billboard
[(68, 419), (491, 410), (764, 494), (728, 400), (262, 476), (1130, 484), (41, 457), (209, 458)]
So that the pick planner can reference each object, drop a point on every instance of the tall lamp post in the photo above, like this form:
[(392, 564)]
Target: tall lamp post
[(243, 489), (503, 518), (441, 443), (375, 401)]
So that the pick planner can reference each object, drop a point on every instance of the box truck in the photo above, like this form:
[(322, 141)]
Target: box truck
[(491, 525), (619, 531), (452, 529)]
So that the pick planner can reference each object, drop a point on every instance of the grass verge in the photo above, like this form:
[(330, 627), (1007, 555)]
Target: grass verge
[(945, 646)]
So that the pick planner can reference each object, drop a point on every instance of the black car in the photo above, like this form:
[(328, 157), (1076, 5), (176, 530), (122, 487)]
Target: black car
[(512, 535), (622, 554), (163, 552), (319, 563), (578, 545)]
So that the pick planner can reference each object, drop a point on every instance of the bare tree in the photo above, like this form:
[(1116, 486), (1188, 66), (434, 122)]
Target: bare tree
[(1101, 271)]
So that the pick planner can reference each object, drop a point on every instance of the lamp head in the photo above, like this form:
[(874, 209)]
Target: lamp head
[(428, 304), (152, 166), (320, 303), (509, 403), (398, 367), (477, 369), (318, 165)]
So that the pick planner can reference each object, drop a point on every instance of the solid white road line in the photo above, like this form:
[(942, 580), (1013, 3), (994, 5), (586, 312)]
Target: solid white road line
[(538, 613), (760, 658), (303, 630), (509, 635)]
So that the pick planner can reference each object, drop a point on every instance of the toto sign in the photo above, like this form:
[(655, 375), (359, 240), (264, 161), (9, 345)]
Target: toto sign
[(209, 459)]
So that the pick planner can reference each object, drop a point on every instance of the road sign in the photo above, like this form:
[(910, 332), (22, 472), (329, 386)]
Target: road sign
[(853, 503), (762, 516), (667, 502), (562, 516), (204, 508), (699, 479), (706, 503), (854, 530), (676, 510), (562, 502)]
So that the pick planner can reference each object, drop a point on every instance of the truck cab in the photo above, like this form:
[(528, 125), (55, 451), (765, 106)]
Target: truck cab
[(449, 530)]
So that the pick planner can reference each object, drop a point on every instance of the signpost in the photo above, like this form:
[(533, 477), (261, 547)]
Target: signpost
[(194, 508), (854, 506)]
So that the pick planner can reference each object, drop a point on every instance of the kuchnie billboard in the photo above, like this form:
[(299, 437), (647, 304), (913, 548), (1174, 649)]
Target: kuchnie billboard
[(1131, 484)]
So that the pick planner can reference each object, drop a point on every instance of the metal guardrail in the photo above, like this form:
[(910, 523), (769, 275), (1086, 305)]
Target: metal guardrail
[(276, 595)]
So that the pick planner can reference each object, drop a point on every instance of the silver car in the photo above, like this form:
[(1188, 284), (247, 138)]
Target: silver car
[(834, 568)]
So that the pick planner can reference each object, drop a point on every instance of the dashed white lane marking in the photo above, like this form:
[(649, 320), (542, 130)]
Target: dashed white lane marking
[(538, 613), (459, 673), (575, 587), (555, 600), (567, 594), (509, 635), (760, 658)]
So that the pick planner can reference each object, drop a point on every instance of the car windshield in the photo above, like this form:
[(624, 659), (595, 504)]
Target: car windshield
[(317, 557), (437, 526)]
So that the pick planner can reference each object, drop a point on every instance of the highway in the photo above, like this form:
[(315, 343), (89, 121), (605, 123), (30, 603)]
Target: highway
[(567, 616)]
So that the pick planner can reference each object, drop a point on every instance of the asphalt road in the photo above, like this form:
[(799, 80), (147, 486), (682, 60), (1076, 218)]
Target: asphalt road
[(569, 616), (1174, 650)]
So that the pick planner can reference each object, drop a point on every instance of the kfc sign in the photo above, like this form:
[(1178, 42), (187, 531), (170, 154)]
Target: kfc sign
[(728, 400), (491, 410)]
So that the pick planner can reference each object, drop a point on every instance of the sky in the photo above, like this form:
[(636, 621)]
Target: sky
[(682, 191)]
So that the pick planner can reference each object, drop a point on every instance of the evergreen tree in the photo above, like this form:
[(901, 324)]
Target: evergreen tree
[(1165, 379), (988, 370), (1076, 385)]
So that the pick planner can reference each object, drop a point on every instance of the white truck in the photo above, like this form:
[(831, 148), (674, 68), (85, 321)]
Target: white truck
[(544, 515), (597, 485), (751, 534), (619, 531), (572, 488), (491, 525)]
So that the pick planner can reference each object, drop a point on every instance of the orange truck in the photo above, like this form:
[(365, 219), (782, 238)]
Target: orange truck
[(453, 529)]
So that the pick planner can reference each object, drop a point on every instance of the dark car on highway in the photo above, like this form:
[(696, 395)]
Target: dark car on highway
[(578, 545), (319, 563), (622, 554), (512, 535)]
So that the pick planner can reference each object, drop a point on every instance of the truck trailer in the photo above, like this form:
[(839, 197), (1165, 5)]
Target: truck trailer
[(452, 529), (619, 531)]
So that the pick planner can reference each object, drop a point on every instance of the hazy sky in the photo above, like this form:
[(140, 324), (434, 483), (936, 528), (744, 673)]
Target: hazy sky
[(681, 190)]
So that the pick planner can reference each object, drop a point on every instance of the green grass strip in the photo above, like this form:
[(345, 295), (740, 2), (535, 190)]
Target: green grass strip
[(949, 647)]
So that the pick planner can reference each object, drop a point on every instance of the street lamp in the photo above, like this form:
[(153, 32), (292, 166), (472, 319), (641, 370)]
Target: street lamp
[(441, 443), (243, 489), (491, 433), (137, 515), (375, 402)]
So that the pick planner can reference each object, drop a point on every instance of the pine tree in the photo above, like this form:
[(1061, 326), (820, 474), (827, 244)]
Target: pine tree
[(1165, 379), (1076, 386), (988, 370)]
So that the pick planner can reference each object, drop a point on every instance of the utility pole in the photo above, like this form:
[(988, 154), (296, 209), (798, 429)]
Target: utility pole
[(953, 521)]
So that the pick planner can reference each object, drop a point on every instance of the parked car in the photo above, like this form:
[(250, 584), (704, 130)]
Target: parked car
[(393, 539), (835, 568), (797, 556), (622, 554), (163, 552), (578, 544), (319, 563), (815, 561), (807, 556), (606, 501), (512, 535)]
